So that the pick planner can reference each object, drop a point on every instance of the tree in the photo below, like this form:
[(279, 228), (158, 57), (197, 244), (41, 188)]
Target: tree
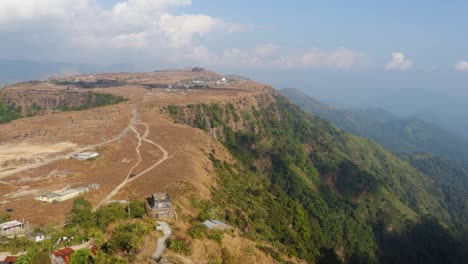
[(26, 258), (80, 256), (5, 217), (41, 258), (137, 209), (81, 213)]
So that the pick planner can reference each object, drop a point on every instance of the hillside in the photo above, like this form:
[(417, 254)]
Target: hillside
[(331, 181), (399, 135), (296, 189)]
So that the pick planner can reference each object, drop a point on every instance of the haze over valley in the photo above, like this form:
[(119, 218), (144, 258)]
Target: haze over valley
[(136, 131)]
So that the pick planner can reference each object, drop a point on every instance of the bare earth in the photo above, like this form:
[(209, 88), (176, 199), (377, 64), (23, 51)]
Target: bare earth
[(141, 151)]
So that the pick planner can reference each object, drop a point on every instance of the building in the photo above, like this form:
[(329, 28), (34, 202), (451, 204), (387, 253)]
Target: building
[(86, 155), (11, 227), (94, 186), (159, 205), (216, 224), (47, 197), (160, 201), (10, 260), (61, 256), (55, 197)]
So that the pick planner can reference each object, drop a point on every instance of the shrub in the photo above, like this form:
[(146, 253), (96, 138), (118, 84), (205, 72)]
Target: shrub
[(179, 246), (197, 232)]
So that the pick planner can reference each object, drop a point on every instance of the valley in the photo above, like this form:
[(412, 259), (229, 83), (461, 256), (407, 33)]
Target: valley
[(295, 188)]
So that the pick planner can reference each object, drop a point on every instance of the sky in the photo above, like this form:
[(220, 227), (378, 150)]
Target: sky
[(405, 56)]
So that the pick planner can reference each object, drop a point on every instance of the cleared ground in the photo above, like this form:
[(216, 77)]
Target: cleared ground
[(141, 151)]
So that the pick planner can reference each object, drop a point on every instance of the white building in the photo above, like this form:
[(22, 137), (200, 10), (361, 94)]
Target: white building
[(10, 227), (86, 155), (61, 196)]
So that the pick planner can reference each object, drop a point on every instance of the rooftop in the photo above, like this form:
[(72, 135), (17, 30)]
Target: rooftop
[(64, 252), (10, 224), (67, 192), (160, 196), (211, 223)]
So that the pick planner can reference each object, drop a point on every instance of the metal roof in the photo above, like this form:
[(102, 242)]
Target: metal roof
[(213, 223), (10, 224), (67, 192)]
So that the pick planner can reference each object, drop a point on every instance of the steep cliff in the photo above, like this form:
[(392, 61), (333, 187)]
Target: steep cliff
[(304, 186), (41, 101)]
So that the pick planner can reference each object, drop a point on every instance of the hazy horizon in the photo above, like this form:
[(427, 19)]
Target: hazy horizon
[(407, 58)]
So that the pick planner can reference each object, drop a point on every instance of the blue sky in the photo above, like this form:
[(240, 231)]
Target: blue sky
[(402, 55)]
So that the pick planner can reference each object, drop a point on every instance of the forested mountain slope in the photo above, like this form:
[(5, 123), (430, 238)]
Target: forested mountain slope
[(399, 135), (316, 192)]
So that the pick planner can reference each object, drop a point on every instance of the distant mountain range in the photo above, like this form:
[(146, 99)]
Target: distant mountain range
[(399, 135), (13, 71)]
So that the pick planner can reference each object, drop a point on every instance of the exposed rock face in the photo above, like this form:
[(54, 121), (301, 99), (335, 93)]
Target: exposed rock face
[(45, 100), (238, 114), (48, 98)]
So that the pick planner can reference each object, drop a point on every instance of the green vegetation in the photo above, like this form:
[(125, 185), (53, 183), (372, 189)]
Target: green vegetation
[(399, 135), (118, 239), (128, 238), (33, 110), (81, 256), (453, 179), (9, 112), (201, 231), (311, 190), (179, 245), (94, 100)]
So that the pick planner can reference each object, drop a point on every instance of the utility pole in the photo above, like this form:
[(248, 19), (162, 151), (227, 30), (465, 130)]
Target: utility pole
[(128, 210)]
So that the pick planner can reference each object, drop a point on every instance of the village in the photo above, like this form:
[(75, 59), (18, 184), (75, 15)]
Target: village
[(157, 206)]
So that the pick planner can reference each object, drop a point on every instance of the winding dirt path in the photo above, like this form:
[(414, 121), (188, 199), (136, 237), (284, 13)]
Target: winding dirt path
[(129, 177), (161, 245)]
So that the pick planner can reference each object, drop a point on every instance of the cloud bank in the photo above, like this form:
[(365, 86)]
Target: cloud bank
[(462, 66), (399, 62), (143, 31)]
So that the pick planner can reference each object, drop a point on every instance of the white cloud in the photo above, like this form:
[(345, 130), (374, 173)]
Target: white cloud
[(266, 49), (399, 62), (462, 66), (83, 25), (143, 31)]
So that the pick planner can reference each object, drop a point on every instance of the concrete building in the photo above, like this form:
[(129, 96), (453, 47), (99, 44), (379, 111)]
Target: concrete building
[(11, 227), (55, 197), (160, 201), (159, 206), (86, 155), (47, 197)]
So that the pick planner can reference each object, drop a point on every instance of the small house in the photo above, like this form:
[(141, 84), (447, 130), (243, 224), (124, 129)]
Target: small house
[(11, 227), (160, 201), (61, 256), (94, 186), (62, 196), (86, 155), (159, 205), (10, 260), (47, 197)]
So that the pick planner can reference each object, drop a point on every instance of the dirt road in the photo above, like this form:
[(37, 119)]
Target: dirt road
[(130, 177)]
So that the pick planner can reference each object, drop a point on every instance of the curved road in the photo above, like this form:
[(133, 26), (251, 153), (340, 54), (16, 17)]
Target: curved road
[(129, 179)]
